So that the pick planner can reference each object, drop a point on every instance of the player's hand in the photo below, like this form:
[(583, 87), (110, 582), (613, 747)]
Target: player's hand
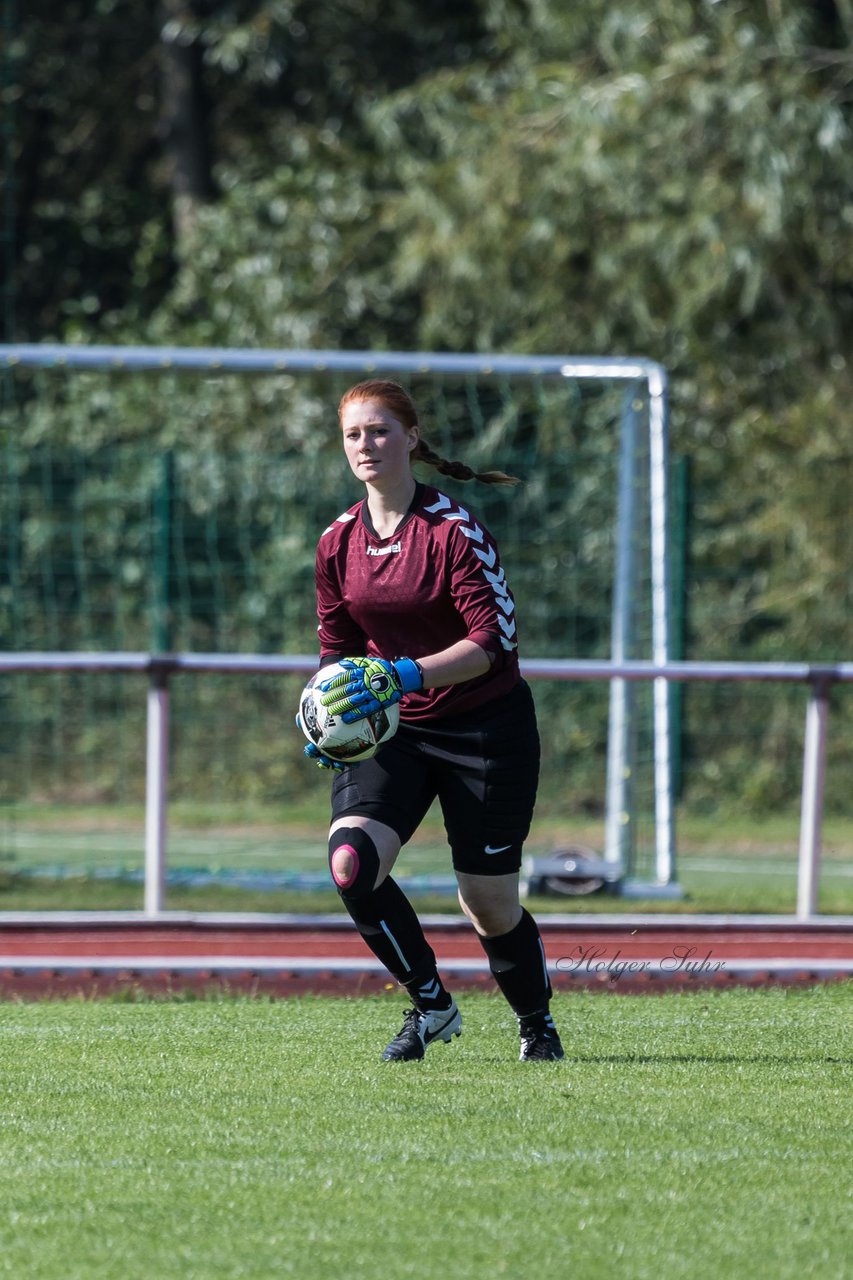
[(323, 762), (313, 752), (369, 684)]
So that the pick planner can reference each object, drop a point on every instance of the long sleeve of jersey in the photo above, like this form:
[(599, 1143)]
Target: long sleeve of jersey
[(437, 580)]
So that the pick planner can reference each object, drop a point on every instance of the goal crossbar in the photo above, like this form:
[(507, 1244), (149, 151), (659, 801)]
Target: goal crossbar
[(636, 373)]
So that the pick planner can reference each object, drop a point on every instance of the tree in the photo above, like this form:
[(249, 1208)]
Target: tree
[(124, 113), (676, 186), (648, 177), (185, 116)]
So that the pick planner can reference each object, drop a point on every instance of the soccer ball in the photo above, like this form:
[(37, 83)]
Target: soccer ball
[(348, 743)]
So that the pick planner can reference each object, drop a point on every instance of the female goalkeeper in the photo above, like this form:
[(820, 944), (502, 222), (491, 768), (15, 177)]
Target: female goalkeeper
[(412, 599)]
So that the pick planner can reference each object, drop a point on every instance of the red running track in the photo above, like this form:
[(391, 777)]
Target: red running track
[(95, 953)]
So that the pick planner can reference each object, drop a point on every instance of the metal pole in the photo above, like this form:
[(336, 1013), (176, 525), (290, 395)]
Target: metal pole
[(97, 356), (162, 555), (156, 791), (664, 821), (811, 809), (618, 833)]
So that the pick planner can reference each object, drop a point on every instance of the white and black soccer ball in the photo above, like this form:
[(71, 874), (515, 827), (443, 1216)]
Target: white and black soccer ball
[(347, 743)]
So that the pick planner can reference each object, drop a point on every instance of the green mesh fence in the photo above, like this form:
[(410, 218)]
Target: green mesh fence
[(180, 511)]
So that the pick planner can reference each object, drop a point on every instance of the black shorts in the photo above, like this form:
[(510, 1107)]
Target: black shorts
[(483, 766)]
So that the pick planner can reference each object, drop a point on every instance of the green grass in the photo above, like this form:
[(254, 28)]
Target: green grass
[(776, 895), (685, 1135), (740, 863)]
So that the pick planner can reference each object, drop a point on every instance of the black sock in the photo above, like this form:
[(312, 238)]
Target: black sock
[(387, 921), (431, 994), (517, 962)]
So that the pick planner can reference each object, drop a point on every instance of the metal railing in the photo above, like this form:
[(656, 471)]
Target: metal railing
[(160, 668), (642, 379)]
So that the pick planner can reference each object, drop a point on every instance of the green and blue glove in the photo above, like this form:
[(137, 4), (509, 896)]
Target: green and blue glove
[(313, 752), (323, 762), (369, 684)]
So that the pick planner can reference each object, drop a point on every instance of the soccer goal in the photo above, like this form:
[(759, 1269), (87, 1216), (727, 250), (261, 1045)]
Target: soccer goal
[(170, 499)]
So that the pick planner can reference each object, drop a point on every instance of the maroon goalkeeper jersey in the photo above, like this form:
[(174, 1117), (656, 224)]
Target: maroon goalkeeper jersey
[(436, 580)]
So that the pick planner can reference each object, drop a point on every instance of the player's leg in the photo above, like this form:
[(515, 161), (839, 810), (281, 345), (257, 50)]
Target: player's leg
[(363, 848), (362, 853), (487, 795), (491, 902), (513, 945)]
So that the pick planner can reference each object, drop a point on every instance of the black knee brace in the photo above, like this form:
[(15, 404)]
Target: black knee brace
[(365, 859)]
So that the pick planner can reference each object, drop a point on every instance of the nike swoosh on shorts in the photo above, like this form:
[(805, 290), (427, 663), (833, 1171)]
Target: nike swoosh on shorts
[(500, 849)]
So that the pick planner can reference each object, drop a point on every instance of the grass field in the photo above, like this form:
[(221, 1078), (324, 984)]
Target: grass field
[(695, 1135), (732, 864)]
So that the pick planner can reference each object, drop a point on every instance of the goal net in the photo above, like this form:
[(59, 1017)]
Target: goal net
[(171, 501)]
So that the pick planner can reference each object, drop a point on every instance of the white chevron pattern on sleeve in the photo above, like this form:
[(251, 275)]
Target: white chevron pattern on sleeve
[(487, 553), (343, 519)]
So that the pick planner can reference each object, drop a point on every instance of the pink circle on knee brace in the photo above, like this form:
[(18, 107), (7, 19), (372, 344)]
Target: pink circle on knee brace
[(338, 879)]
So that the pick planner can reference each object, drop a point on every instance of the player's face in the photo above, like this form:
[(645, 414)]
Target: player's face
[(377, 446)]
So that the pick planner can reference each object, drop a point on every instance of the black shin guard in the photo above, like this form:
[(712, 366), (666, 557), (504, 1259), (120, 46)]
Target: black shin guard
[(387, 921), (517, 962)]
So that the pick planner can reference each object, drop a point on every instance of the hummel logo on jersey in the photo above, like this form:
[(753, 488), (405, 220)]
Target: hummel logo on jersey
[(501, 848), (385, 551)]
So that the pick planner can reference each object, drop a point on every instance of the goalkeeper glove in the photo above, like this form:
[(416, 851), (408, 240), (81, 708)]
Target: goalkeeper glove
[(369, 684), (323, 762), (313, 752)]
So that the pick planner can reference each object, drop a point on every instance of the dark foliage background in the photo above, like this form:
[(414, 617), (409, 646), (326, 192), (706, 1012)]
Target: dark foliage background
[(647, 176)]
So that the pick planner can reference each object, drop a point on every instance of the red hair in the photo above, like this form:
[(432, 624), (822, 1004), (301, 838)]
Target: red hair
[(390, 395), (401, 406)]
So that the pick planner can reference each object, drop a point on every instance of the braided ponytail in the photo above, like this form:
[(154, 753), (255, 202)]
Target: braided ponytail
[(399, 403), (423, 452)]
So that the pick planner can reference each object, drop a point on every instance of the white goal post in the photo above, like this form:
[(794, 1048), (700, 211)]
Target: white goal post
[(645, 384)]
